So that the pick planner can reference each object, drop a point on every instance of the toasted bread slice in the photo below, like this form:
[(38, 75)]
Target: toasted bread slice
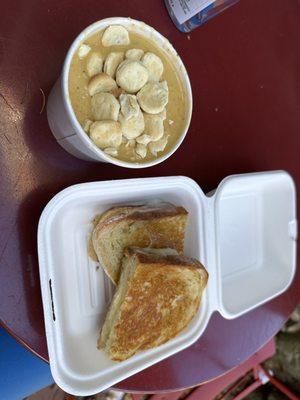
[(157, 296), (160, 225)]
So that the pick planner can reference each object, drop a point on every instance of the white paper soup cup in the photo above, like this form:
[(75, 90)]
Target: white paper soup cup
[(61, 117)]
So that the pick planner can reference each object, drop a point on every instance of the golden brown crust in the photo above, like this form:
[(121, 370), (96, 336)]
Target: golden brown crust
[(161, 301), (147, 256), (151, 225), (110, 213), (146, 212)]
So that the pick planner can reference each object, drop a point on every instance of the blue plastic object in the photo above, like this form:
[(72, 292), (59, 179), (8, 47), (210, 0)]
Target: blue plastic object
[(205, 11), (21, 372)]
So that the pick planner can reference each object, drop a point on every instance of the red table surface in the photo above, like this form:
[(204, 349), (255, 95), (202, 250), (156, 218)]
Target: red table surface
[(244, 68)]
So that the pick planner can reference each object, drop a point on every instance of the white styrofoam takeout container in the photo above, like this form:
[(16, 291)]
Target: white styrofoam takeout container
[(61, 117), (244, 233)]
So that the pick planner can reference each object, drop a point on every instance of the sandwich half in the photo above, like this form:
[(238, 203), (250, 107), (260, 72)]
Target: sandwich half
[(158, 295), (158, 225)]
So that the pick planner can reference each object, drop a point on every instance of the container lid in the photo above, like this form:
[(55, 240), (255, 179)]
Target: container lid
[(256, 230)]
